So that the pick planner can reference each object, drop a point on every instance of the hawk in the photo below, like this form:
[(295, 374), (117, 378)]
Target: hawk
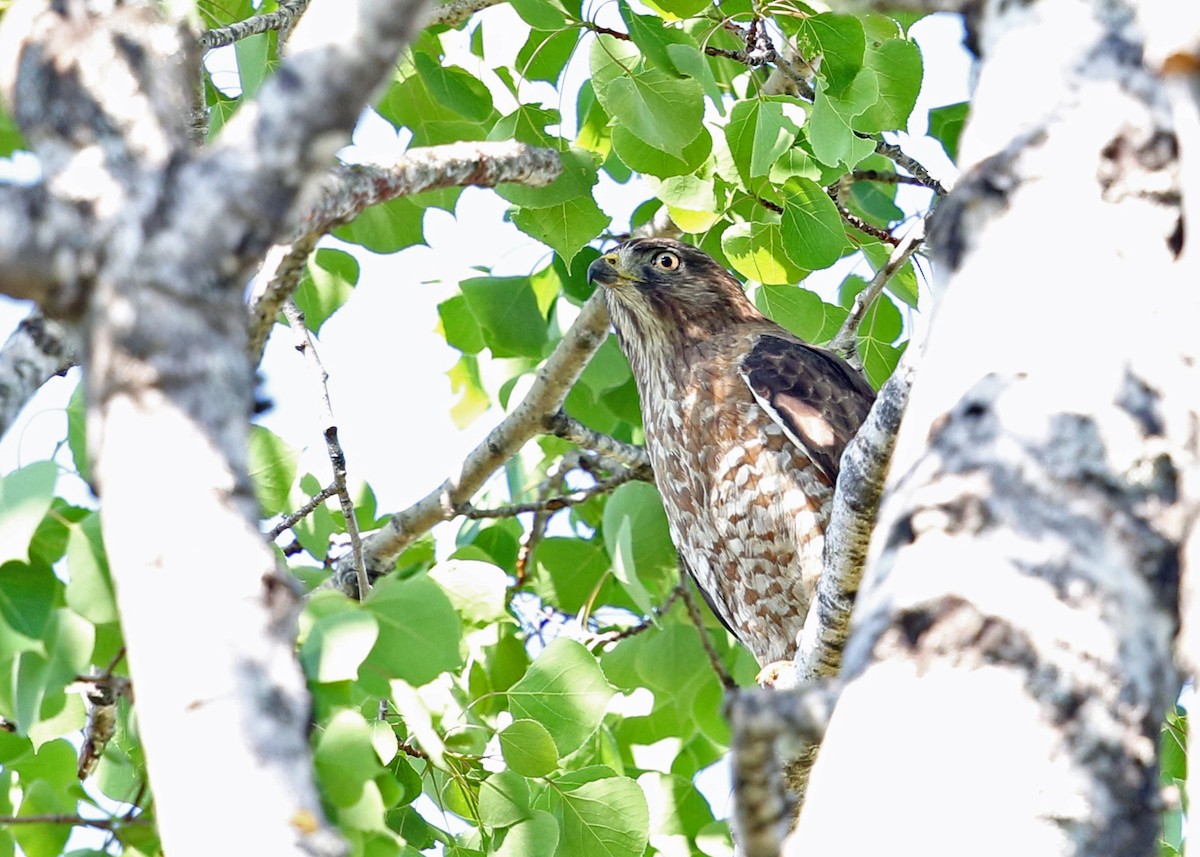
[(745, 425)]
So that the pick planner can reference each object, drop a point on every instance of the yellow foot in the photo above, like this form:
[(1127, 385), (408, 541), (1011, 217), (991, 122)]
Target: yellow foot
[(777, 674)]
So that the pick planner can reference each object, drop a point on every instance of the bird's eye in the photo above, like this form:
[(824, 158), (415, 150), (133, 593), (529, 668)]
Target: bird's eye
[(666, 261)]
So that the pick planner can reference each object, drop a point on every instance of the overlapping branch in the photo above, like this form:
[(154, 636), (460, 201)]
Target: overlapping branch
[(349, 190), (280, 19), (37, 350), (546, 395)]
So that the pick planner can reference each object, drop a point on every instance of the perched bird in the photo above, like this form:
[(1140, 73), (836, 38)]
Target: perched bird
[(745, 425)]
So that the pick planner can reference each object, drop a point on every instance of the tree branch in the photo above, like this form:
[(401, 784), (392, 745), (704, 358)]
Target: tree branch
[(281, 18), (45, 251), (571, 429), (845, 342), (337, 457), (546, 395), (550, 504), (897, 156), (864, 469), (758, 720), (349, 190), (37, 350)]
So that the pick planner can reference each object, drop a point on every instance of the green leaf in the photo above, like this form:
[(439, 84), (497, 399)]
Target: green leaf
[(49, 541), (89, 585), (40, 680), (10, 135), (252, 53), (897, 67), (419, 630), (840, 42), (478, 590), (641, 156), (338, 643), (27, 596), (506, 310), (411, 104), (605, 818), (537, 836), (812, 228), (800, 311), (565, 691), (662, 111), (903, 283), (565, 228), (578, 177), (328, 281), (647, 32), (541, 14), (504, 799), (946, 124), (756, 251), (637, 538), (688, 58), (345, 758), (455, 88), (528, 749), (387, 227), (272, 469), (459, 326), (545, 54), (568, 571), (43, 840), (77, 432), (759, 131), (830, 128), (679, 9), (25, 498)]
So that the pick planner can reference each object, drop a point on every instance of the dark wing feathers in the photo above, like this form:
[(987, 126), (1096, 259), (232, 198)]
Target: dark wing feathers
[(818, 398)]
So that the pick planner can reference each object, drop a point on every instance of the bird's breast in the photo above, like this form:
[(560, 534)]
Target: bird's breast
[(746, 508)]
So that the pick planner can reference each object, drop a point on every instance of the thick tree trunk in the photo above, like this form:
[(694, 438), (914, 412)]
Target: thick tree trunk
[(150, 243), (1010, 659)]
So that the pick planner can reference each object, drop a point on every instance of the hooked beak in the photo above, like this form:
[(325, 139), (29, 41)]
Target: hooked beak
[(606, 270)]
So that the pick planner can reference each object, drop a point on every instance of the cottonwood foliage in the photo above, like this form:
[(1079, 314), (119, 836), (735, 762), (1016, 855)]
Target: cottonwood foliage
[(522, 739)]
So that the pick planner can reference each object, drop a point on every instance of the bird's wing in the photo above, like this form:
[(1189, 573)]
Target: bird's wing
[(816, 397)]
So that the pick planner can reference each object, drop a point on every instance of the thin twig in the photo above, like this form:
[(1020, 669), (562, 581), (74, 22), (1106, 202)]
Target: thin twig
[(74, 821), (897, 156), (844, 343), (698, 620), (541, 518), (303, 512), (252, 26), (884, 177), (554, 380), (571, 429), (550, 504), (856, 221), (645, 624), (337, 457)]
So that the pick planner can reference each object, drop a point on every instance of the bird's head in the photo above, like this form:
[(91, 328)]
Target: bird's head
[(664, 291)]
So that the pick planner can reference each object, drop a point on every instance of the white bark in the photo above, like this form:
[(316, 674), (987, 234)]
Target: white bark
[(156, 273), (1010, 657)]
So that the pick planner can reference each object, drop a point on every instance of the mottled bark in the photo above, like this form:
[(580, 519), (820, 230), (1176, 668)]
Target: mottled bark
[(1010, 657), (150, 244)]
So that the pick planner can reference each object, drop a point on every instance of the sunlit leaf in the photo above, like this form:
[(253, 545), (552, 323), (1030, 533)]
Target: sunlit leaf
[(565, 691)]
